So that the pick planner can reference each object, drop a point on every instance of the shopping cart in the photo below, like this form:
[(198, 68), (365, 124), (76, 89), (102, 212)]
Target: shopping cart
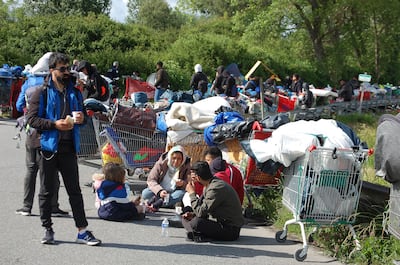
[(137, 147), (90, 145), (255, 178), (322, 188), (394, 211), (193, 144)]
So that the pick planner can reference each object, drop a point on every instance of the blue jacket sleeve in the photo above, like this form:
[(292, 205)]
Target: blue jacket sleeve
[(21, 102)]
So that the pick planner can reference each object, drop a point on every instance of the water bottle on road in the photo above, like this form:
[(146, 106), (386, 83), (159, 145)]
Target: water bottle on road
[(164, 227)]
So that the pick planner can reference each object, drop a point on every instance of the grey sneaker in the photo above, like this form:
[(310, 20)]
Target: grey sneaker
[(88, 239), (48, 236), (23, 211)]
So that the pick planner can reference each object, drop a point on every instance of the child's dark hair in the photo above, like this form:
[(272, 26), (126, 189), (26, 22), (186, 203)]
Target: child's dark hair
[(114, 172), (213, 151), (57, 58)]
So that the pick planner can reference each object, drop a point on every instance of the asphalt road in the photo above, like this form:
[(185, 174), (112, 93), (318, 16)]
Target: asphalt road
[(138, 242)]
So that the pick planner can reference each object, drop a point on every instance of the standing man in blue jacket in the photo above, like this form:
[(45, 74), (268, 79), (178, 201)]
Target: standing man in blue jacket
[(50, 112)]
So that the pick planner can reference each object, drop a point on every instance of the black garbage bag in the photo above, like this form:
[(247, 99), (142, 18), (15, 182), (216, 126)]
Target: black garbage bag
[(222, 132)]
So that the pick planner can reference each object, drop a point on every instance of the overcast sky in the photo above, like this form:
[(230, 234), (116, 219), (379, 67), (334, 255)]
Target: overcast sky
[(119, 9)]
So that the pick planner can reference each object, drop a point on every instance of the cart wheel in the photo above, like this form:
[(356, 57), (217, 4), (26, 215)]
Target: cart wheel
[(130, 171), (279, 238), (299, 255)]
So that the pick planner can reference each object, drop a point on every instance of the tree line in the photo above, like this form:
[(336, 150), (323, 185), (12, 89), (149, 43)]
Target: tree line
[(323, 41)]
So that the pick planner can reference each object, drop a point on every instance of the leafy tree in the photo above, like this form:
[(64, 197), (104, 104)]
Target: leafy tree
[(209, 7), (77, 7), (154, 13)]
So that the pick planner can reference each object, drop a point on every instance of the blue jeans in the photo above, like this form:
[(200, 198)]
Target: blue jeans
[(174, 197), (157, 94)]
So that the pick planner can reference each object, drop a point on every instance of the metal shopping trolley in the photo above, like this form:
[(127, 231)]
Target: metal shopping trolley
[(137, 147), (322, 188), (253, 176), (394, 211)]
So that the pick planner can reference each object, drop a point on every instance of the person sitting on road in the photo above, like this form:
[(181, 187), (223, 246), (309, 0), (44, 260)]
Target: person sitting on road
[(219, 201), (225, 171), (113, 194), (167, 179)]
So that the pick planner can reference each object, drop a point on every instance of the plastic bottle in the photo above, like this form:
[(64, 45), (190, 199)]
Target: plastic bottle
[(164, 227)]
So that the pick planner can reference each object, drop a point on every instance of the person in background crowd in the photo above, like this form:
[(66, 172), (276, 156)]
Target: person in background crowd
[(95, 85), (113, 72), (252, 87), (287, 83), (229, 84), (162, 81), (345, 90), (74, 65), (216, 87), (354, 83), (297, 84), (50, 112), (307, 97), (197, 77), (219, 201)]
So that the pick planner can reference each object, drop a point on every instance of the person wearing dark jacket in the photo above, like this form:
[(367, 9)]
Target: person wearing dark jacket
[(297, 84), (308, 97), (50, 112), (345, 91), (216, 87), (229, 84), (95, 85), (162, 81), (199, 80), (32, 155), (218, 201)]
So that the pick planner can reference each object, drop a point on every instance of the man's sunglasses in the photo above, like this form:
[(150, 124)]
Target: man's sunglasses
[(62, 69)]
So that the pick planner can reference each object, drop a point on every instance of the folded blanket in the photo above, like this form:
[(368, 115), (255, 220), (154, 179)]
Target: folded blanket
[(291, 140)]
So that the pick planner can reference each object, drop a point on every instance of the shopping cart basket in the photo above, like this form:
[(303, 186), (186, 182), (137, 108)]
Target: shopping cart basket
[(252, 175), (322, 188), (193, 144), (394, 211), (137, 147)]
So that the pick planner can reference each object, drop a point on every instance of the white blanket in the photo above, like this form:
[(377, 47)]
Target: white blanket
[(291, 140), (200, 115)]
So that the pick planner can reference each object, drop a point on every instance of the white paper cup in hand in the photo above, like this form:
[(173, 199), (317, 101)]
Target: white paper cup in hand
[(75, 115)]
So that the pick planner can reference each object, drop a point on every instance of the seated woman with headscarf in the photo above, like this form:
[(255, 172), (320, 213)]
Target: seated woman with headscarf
[(167, 180)]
